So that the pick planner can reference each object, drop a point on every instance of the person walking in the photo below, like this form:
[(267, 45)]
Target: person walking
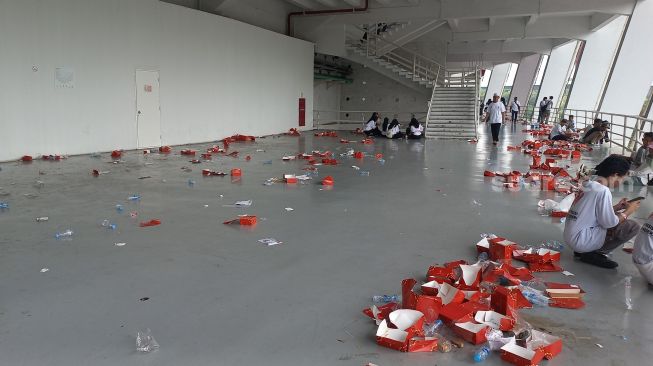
[(496, 112), (515, 107)]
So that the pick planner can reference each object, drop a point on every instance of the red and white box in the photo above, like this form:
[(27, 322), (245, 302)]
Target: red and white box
[(450, 294), (471, 277), (495, 320), (541, 255), (505, 301), (431, 288), (483, 246), (473, 333), (429, 306), (408, 336), (520, 356), (501, 249), (549, 344), (460, 313), (378, 313), (440, 274), (290, 178)]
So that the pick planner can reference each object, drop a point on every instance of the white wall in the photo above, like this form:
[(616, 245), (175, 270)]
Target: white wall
[(218, 76), (598, 55), (633, 73), (525, 78), (381, 94), (326, 96), (556, 71), (497, 80)]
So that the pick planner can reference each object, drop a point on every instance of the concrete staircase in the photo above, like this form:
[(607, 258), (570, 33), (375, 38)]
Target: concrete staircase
[(452, 113), (358, 53)]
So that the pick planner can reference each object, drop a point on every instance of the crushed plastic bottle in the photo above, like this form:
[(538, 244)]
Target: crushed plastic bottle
[(43, 218), (119, 208), (64, 234), (481, 354), (476, 203), (107, 224), (385, 298), (4, 205), (134, 197), (364, 173), (534, 296), (483, 256), (191, 182), (381, 161), (627, 290), (145, 342), (430, 330)]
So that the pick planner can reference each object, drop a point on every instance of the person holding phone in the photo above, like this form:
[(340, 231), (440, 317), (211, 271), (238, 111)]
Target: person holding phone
[(594, 227)]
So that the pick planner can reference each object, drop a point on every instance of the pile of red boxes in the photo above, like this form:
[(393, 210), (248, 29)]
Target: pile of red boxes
[(471, 300)]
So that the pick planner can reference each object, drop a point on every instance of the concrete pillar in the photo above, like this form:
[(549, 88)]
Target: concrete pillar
[(598, 56), (497, 80), (556, 71), (525, 78), (632, 73)]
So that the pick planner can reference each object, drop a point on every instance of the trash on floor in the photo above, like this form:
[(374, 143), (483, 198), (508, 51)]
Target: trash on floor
[(145, 342), (270, 241), (246, 220), (149, 223)]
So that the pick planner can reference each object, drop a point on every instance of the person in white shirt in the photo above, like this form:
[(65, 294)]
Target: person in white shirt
[(594, 227), (496, 112), (371, 127), (515, 107), (560, 131), (394, 131), (643, 251), (641, 169), (415, 131)]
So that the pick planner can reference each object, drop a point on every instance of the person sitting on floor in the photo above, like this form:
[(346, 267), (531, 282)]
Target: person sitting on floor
[(643, 251), (394, 131), (371, 128), (642, 160), (415, 130), (560, 131), (384, 126), (595, 134), (571, 123), (594, 228)]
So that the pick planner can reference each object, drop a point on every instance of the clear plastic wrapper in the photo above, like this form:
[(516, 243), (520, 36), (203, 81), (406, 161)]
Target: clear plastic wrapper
[(145, 342)]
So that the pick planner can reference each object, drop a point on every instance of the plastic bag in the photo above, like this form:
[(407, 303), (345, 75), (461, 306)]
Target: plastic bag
[(145, 342)]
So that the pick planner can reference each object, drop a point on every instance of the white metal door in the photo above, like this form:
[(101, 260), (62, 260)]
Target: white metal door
[(148, 111)]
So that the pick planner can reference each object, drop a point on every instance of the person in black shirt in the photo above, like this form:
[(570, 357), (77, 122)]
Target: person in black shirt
[(594, 134)]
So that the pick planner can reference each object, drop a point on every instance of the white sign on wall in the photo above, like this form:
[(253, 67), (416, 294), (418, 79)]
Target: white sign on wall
[(64, 77)]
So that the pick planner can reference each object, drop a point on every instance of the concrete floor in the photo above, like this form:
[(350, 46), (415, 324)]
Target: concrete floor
[(218, 297)]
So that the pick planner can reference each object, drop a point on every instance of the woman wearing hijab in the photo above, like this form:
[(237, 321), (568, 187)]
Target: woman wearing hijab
[(415, 131), (394, 131), (384, 126), (371, 128)]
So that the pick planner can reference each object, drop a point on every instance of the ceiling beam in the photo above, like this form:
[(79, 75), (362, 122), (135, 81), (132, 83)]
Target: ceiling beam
[(542, 46), (600, 20), (576, 27), (510, 8)]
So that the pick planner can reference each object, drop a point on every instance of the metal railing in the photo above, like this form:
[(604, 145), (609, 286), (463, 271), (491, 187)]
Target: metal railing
[(461, 78), (625, 131), (350, 120), (419, 66)]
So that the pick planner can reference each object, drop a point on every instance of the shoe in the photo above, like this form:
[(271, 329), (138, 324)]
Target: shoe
[(494, 142), (577, 255), (599, 260)]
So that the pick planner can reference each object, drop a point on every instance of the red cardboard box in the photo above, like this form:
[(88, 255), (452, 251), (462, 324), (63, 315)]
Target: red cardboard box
[(505, 300), (470, 278), (520, 356), (431, 288), (473, 333), (483, 246), (378, 313), (495, 320), (290, 178), (429, 306), (450, 294), (548, 182), (541, 255), (460, 313), (236, 172), (501, 249), (545, 267), (327, 181), (408, 323), (188, 152), (549, 344), (358, 155)]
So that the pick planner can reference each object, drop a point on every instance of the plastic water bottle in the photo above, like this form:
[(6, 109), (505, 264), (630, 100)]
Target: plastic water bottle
[(364, 173), (627, 288), (481, 354), (119, 208), (134, 197), (381, 161), (535, 297), (385, 298), (483, 256), (64, 234), (41, 219), (430, 330), (4, 205), (191, 182)]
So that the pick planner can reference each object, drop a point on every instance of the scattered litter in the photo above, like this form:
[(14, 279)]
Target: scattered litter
[(120, 244), (4, 205), (119, 208), (206, 206), (567, 273), (143, 299), (145, 342), (270, 241), (260, 150), (41, 219), (43, 270), (134, 197), (247, 203), (627, 292), (145, 177), (107, 224), (64, 234), (133, 214), (191, 182), (267, 162), (364, 173), (290, 209), (153, 222), (210, 173), (599, 345), (355, 167), (245, 220), (476, 203)]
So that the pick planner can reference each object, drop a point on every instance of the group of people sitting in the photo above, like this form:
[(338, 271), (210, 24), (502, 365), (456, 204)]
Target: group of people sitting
[(566, 130), (392, 129), (595, 227)]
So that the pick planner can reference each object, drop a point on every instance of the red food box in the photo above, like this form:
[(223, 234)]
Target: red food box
[(290, 178), (460, 313), (472, 332), (501, 249), (520, 356), (505, 300), (548, 182), (236, 172), (358, 155), (409, 323), (327, 181)]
